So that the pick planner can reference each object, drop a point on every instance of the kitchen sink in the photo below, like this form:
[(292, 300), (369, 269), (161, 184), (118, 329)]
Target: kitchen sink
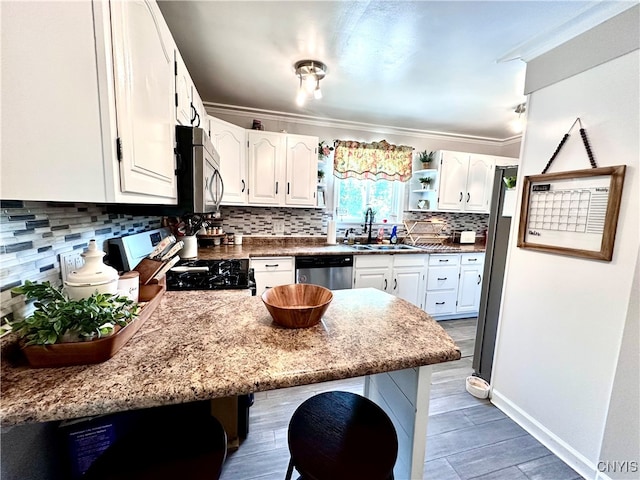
[(399, 246), (385, 247)]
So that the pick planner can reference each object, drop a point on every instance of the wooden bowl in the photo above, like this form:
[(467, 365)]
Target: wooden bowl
[(298, 305)]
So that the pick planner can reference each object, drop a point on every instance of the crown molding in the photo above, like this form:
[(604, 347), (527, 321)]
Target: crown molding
[(591, 15), (219, 108)]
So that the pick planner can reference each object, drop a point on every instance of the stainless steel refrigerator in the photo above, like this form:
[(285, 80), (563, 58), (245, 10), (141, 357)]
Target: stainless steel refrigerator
[(493, 277)]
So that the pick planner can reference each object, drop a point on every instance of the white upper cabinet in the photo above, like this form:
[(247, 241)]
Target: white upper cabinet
[(104, 72), (266, 167), (230, 141), (184, 86), (143, 52), (282, 168), (465, 182), (302, 170)]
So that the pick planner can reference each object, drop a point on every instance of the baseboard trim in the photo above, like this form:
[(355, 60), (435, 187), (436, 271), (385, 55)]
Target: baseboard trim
[(561, 449)]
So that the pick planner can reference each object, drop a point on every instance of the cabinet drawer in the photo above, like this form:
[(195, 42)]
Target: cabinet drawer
[(472, 259), (444, 260), (272, 264), (442, 278), (441, 303), (372, 261)]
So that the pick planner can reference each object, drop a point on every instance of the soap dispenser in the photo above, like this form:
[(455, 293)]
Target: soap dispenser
[(394, 235)]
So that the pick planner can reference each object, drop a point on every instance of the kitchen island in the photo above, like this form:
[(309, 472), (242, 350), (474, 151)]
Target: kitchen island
[(202, 345)]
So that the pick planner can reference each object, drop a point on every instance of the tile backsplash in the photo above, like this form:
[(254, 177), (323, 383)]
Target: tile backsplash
[(34, 234)]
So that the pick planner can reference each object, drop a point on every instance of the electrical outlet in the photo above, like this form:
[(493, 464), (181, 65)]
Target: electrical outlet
[(68, 262), (278, 226)]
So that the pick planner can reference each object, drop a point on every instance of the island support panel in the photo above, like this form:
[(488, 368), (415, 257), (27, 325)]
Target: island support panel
[(404, 396)]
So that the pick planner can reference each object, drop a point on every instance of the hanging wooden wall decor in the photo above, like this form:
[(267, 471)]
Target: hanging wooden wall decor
[(572, 213)]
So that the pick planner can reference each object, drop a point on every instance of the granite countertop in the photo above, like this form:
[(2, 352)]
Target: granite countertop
[(201, 345), (298, 246)]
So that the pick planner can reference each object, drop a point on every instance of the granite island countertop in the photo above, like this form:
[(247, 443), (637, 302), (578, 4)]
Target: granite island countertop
[(201, 345)]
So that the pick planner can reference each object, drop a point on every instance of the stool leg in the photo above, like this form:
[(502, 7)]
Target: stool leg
[(289, 470)]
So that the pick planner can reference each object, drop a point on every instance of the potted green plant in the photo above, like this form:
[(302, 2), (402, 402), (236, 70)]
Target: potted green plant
[(510, 182), (425, 182), (426, 158), (320, 176), (57, 319)]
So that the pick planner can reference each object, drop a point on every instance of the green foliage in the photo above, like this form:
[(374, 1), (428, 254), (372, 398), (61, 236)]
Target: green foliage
[(425, 180), (426, 157), (56, 317), (510, 182)]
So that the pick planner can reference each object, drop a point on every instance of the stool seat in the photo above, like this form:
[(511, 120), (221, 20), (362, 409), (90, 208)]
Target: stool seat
[(173, 443), (341, 435)]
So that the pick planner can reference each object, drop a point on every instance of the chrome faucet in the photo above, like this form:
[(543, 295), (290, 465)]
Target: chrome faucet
[(368, 216)]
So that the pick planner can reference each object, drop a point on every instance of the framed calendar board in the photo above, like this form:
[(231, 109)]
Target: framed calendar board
[(572, 213)]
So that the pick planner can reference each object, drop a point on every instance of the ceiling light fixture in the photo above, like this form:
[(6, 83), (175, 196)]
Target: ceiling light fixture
[(518, 124), (309, 72)]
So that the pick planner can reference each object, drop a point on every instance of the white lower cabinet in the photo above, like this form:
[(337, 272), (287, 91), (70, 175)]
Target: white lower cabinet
[(372, 271), (399, 275), (272, 271), (470, 284), (454, 282), (442, 284)]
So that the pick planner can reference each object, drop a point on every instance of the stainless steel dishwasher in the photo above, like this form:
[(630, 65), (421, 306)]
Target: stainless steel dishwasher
[(334, 272)]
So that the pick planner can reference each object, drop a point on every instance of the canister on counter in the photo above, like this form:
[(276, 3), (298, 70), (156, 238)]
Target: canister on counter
[(129, 285), (230, 238)]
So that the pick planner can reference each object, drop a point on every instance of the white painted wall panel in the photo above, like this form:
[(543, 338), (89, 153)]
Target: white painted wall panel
[(562, 318)]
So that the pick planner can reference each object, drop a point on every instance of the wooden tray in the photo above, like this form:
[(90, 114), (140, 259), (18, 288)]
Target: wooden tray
[(95, 351)]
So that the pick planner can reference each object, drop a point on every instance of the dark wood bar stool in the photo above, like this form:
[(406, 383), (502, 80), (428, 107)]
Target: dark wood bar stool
[(341, 435), (171, 443)]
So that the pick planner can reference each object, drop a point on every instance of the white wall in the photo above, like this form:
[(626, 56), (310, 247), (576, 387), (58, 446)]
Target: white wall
[(563, 317)]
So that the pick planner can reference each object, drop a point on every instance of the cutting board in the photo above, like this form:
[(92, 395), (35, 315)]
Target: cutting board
[(148, 269)]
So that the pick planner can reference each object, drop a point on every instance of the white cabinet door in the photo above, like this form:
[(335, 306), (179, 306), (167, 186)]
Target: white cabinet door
[(479, 183), (470, 284), (183, 91), (372, 277), (49, 65), (199, 116), (372, 271), (453, 178), (409, 278), (266, 151), (230, 142), (145, 102), (302, 170)]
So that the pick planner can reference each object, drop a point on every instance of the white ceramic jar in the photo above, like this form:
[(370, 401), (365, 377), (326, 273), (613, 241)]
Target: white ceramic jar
[(94, 276)]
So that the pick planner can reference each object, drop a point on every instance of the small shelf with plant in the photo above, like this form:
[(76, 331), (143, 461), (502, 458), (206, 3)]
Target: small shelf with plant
[(426, 159), (426, 182), (320, 177)]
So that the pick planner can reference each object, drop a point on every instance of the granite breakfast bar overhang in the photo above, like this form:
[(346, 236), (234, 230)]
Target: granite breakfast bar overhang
[(202, 345)]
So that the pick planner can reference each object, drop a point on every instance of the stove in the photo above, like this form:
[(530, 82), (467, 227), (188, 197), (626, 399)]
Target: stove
[(211, 275)]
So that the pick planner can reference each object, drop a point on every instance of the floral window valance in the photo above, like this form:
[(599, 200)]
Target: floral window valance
[(372, 161)]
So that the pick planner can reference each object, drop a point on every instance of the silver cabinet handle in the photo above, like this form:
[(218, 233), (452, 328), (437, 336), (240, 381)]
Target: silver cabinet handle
[(472, 259)]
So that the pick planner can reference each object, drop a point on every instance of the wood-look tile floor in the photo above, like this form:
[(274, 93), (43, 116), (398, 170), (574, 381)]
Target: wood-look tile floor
[(467, 438)]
